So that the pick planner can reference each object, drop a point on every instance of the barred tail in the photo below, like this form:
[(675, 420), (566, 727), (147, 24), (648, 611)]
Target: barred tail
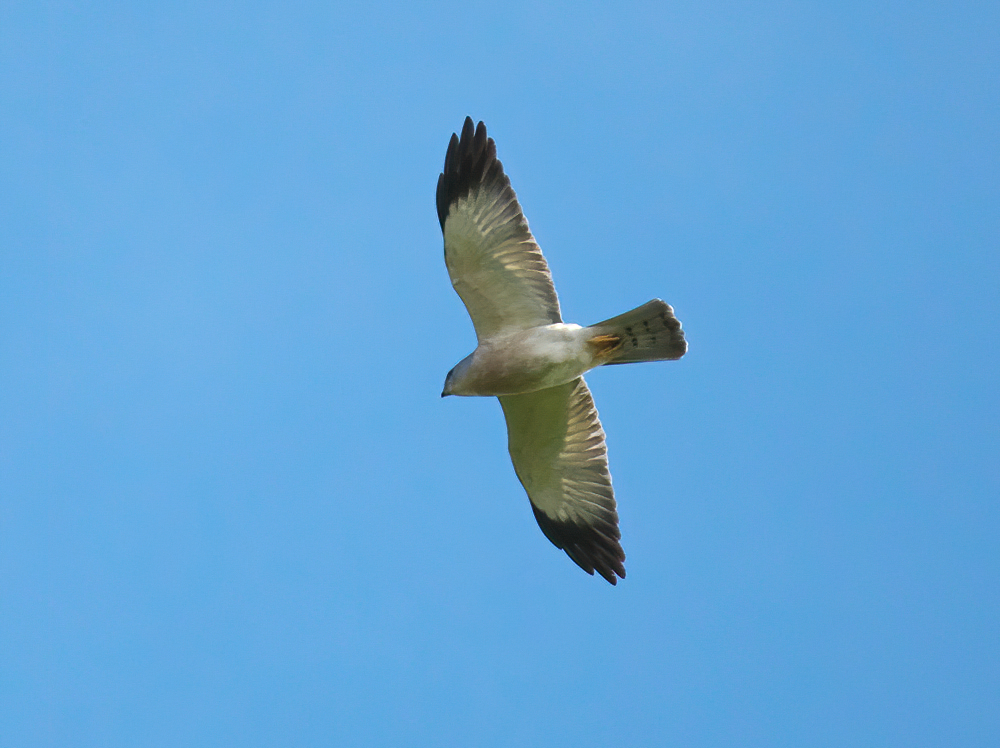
[(650, 332)]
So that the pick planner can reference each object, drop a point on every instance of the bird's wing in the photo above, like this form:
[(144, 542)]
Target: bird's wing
[(557, 445), (494, 263)]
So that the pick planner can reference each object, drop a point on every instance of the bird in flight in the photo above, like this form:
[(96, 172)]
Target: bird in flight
[(532, 361)]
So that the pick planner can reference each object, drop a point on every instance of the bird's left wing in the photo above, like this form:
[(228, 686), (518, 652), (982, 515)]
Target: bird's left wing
[(557, 445), (494, 263)]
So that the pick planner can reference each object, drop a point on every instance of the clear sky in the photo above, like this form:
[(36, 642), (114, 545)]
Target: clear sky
[(234, 510)]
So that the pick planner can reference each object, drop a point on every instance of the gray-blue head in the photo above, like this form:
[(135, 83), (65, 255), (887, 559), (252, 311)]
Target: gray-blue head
[(454, 381)]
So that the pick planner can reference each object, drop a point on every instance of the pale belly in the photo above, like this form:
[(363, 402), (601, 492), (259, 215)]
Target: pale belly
[(529, 361)]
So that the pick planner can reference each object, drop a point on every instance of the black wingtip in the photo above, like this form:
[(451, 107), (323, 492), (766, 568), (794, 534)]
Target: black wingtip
[(588, 548), (467, 164)]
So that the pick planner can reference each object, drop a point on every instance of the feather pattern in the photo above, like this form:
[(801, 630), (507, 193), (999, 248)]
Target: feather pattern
[(557, 445), (493, 261)]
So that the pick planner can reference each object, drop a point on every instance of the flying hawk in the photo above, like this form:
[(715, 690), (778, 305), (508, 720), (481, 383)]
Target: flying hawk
[(532, 361)]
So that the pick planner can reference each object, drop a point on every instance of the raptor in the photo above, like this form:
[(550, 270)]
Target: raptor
[(533, 361)]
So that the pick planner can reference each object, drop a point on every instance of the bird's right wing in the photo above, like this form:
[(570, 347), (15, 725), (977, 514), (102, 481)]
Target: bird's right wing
[(494, 263), (557, 445)]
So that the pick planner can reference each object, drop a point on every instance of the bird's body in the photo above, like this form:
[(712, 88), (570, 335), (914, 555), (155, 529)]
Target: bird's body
[(524, 361), (533, 361)]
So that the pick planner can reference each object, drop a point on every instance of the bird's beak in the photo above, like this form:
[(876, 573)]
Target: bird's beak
[(444, 394)]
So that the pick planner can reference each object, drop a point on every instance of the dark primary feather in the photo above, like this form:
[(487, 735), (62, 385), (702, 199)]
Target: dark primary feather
[(589, 548), (470, 162)]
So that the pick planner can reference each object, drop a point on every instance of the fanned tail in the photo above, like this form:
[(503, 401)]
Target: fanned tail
[(650, 332)]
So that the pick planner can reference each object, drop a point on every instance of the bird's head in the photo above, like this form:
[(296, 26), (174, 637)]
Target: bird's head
[(447, 384), (455, 379)]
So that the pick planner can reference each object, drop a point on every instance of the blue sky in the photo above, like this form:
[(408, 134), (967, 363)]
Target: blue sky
[(234, 509)]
